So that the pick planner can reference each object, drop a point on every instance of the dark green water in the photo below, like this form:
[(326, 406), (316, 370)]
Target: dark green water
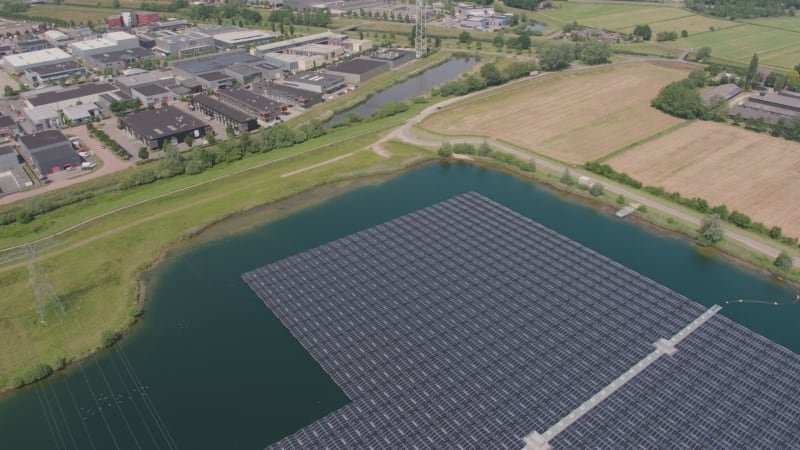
[(219, 371)]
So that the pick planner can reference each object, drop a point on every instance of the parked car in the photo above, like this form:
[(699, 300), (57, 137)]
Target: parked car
[(88, 165), (84, 154)]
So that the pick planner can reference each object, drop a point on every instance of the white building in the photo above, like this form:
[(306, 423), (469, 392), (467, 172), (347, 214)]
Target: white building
[(111, 42), (294, 63), (57, 38), (237, 39), (20, 62)]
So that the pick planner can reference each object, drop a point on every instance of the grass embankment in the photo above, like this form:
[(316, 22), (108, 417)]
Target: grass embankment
[(95, 269)]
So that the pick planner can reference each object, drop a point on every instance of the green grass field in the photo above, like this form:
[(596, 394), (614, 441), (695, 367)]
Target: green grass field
[(777, 48), (79, 14), (609, 16), (783, 23)]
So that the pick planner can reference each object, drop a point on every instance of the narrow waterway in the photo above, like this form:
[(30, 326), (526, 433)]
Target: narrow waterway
[(210, 367), (416, 85)]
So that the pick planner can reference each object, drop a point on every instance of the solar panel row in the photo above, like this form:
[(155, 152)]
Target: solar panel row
[(463, 324)]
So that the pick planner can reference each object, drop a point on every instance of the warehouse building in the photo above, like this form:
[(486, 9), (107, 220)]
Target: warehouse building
[(48, 152), (57, 38), (81, 113), (169, 24), (167, 124), (243, 74), (286, 94), (215, 80), (239, 120), (357, 71), (395, 57), (110, 42), (152, 95), (8, 158), (317, 82), (59, 98), (320, 38), (327, 52), (186, 43), (32, 45), (118, 60), (126, 83), (18, 63), (253, 103), (240, 38), (294, 63), (770, 107), (192, 67), (356, 45), (8, 127), (44, 118), (55, 71)]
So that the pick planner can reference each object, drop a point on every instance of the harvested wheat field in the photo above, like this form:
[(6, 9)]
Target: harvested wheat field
[(575, 116), (754, 173)]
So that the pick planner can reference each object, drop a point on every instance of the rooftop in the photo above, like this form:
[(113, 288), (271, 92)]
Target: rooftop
[(250, 98), (467, 325), (318, 78), (214, 76), (33, 42), (778, 100), (108, 40), (183, 37), (35, 141), (162, 122), (56, 35), (244, 36), (36, 57), (149, 90), (357, 66), (319, 37), (56, 68), (141, 78), (110, 57), (214, 104), (212, 63), (243, 69), (726, 91), (68, 93), (7, 121), (7, 150)]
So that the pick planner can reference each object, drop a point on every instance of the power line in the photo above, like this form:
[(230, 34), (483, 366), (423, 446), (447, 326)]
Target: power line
[(764, 302)]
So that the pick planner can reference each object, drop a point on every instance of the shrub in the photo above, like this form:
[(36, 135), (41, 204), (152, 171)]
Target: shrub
[(143, 153), (109, 338), (195, 167), (567, 178), (24, 216), (783, 262), (597, 189), (445, 151), (621, 200)]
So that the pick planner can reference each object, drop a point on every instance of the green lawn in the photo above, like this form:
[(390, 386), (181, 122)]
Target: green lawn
[(79, 14), (783, 23), (609, 16), (777, 48)]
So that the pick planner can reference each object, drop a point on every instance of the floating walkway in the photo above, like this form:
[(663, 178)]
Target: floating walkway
[(628, 210)]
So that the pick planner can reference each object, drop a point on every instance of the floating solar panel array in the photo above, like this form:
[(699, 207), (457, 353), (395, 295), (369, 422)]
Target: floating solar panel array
[(465, 324)]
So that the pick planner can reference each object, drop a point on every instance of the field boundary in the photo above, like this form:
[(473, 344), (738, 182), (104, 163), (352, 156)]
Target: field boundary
[(652, 137)]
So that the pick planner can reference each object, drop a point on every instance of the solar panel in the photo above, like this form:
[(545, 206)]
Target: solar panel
[(466, 324)]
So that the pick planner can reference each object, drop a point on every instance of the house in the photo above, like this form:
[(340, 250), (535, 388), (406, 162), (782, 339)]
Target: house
[(48, 152), (359, 70), (166, 124)]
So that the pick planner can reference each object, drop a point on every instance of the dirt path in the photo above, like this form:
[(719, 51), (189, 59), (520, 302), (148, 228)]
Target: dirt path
[(111, 163)]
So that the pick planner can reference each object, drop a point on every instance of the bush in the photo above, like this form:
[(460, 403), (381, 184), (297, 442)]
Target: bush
[(109, 338), (143, 153), (195, 167), (445, 151), (710, 231), (783, 262), (37, 372), (608, 172), (567, 178), (597, 189), (740, 220), (24, 216)]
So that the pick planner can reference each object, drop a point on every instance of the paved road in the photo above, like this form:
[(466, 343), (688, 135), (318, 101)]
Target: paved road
[(405, 133), (111, 163)]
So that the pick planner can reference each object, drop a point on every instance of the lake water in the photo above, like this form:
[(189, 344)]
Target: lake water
[(210, 367), (419, 84)]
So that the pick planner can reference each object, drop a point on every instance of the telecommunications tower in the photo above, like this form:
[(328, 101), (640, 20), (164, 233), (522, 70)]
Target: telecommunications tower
[(419, 40)]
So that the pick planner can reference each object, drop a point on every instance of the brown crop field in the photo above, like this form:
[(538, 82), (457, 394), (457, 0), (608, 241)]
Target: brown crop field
[(754, 173), (574, 116)]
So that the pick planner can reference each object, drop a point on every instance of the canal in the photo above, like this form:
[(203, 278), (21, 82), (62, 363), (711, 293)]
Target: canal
[(413, 86), (210, 367)]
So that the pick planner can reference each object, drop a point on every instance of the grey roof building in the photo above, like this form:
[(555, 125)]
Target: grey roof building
[(215, 80), (7, 126), (253, 103), (32, 45), (467, 325), (8, 157), (186, 43), (239, 120), (191, 67), (63, 97), (49, 152), (118, 60), (770, 107), (152, 94), (395, 57), (153, 127), (357, 71), (287, 94), (54, 71), (126, 83), (317, 82), (243, 73), (726, 91)]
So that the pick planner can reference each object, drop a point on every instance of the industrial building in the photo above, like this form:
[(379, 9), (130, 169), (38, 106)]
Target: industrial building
[(152, 95), (240, 38), (118, 60), (48, 152), (169, 24), (468, 325), (317, 82), (166, 124), (724, 91), (395, 57), (294, 63), (276, 47), (327, 52), (57, 38), (357, 71), (131, 19), (59, 98), (31, 45), (55, 71), (81, 113), (8, 158), (186, 43), (192, 67), (215, 80), (44, 118), (356, 45), (239, 120), (8, 127), (770, 107), (243, 74), (253, 103), (18, 63), (126, 83), (286, 94), (110, 42)]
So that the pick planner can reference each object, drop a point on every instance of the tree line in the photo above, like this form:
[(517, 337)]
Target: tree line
[(744, 9)]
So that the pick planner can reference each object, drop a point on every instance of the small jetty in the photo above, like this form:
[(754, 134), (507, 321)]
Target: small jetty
[(628, 210)]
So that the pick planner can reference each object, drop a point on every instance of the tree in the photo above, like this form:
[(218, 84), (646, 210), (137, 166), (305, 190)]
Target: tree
[(437, 42), (464, 37), (498, 41), (702, 53), (783, 262), (752, 70), (710, 231), (491, 74), (115, 4), (697, 78), (143, 153), (597, 189), (8, 91), (621, 201), (210, 137), (594, 52), (684, 34), (556, 57), (643, 31), (566, 178), (680, 100)]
